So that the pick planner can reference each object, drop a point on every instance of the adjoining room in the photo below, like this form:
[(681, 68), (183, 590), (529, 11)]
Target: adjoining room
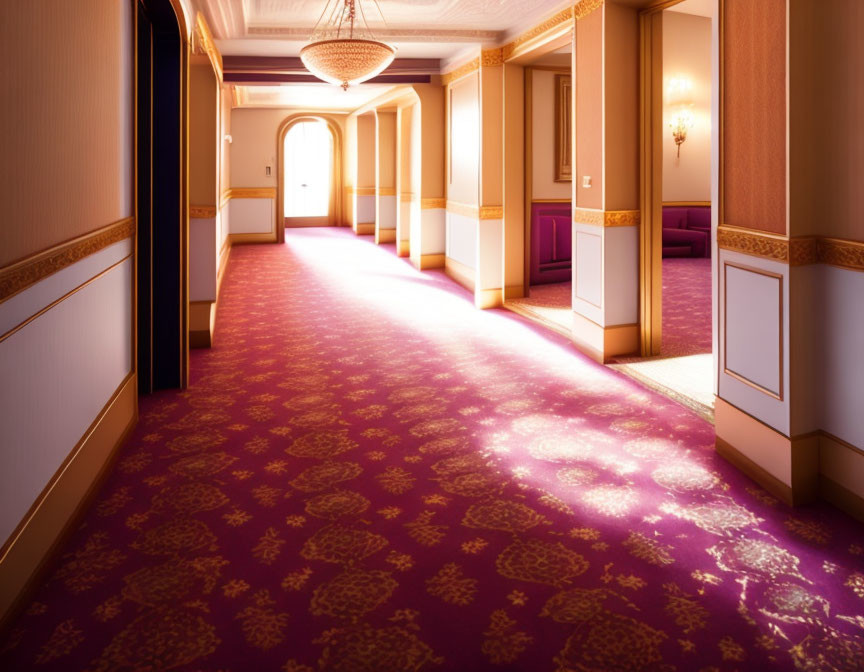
[(548, 194), (683, 366)]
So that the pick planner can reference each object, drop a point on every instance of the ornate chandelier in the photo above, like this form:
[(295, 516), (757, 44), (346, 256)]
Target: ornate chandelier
[(341, 52)]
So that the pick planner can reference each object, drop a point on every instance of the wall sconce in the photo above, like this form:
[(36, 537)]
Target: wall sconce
[(679, 97), (679, 125)]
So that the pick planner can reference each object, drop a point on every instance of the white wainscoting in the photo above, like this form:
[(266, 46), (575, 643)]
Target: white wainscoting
[(621, 275), (841, 323), (202, 259), (462, 239), (433, 231), (386, 212), (364, 209), (490, 254), (754, 337), (252, 215), (60, 369), (588, 271)]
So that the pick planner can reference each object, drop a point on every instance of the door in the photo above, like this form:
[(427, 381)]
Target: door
[(308, 172)]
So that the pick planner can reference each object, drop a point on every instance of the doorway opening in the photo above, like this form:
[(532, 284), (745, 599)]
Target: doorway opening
[(548, 192), (162, 142), (308, 149), (676, 254)]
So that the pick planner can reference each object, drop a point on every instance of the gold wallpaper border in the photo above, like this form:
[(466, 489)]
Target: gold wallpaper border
[(585, 7), (462, 71), (563, 17), (475, 211), (20, 275), (843, 253), (801, 251), (252, 192), (202, 211), (386, 191), (433, 203), (606, 218)]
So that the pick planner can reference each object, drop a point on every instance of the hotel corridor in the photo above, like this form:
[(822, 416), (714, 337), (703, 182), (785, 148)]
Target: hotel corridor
[(367, 473)]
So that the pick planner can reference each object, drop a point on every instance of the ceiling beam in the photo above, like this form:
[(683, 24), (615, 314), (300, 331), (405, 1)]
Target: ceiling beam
[(292, 65), (299, 78)]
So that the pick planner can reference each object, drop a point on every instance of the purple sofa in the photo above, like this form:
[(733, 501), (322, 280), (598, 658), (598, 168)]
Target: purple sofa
[(551, 234), (687, 231)]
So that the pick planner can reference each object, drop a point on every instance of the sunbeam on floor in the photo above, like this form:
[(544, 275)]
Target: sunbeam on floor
[(367, 473)]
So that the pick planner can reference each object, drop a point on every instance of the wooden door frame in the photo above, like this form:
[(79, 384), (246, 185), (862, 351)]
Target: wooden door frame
[(336, 214)]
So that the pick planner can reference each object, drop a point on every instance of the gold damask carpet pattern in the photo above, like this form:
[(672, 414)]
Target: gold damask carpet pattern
[(367, 473)]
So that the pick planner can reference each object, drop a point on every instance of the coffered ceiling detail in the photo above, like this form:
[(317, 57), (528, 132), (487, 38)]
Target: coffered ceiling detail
[(417, 28)]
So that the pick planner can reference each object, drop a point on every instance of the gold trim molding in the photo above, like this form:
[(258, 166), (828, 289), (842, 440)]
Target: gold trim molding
[(606, 218), (562, 18), (202, 211), (843, 253), (29, 271), (206, 44), (362, 191), (252, 192), (433, 203), (585, 7), (475, 211), (386, 191), (460, 72), (793, 251), (492, 212), (406, 197), (489, 58)]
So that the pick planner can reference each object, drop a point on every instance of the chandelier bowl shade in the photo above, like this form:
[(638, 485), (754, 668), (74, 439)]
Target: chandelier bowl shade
[(347, 61)]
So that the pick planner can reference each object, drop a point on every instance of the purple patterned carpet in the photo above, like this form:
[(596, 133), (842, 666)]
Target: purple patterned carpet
[(686, 307), (367, 473)]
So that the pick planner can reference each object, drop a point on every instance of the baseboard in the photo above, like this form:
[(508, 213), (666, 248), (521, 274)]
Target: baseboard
[(752, 470), (514, 292), (202, 320), (56, 512), (364, 228), (786, 467), (488, 298), (461, 273), (385, 236), (841, 497), (603, 344), (403, 248), (427, 261), (251, 238)]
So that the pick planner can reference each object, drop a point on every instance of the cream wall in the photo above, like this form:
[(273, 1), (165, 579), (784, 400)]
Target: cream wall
[(254, 132), (544, 186), (366, 151), (254, 146), (588, 89), (66, 169), (687, 53), (464, 140)]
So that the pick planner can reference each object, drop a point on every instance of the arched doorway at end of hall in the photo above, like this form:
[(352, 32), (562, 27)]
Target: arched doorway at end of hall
[(309, 173)]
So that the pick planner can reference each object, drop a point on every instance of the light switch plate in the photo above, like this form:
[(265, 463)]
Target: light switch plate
[(586, 181)]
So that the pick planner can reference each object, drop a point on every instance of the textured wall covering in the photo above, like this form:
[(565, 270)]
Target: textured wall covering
[(754, 115), (52, 99), (589, 110)]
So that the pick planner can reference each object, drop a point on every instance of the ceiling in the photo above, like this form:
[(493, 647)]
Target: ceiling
[(417, 28), (695, 7), (324, 97), (447, 30)]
